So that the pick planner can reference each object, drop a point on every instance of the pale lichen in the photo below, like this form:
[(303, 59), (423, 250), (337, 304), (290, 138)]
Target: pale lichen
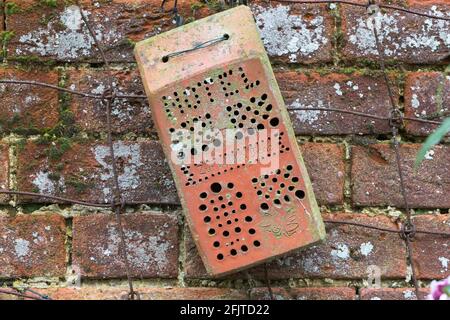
[(399, 36), (284, 33)]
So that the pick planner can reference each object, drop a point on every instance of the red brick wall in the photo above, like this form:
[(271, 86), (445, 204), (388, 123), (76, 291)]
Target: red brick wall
[(56, 143)]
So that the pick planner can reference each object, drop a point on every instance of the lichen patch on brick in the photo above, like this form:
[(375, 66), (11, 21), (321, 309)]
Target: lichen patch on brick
[(432, 34), (307, 116), (444, 263), (141, 249), (284, 33), (366, 248), (43, 182), (130, 157), (21, 247), (72, 42)]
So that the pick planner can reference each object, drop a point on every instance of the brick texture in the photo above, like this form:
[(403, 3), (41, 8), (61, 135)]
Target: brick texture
[(376, 183), (117, 293), (4, 171), (32, 246), (263, 294), (28, 108), (391, 294), (427, 96), (127, 115), (430, 253), (338, 293), (58, 33), (83, 171), (346, 254), (295, 33), (403, 37), (323, 55), (351, 92), (326, 169), (151, 239)]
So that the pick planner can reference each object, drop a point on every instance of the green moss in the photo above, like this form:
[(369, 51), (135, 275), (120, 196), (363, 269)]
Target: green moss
[(189, 20), (217, 5), (58, 148), (5, 37), (130, 42), (196, 6), (49, 3), (54, 176), (78, 185), (21, 144), (46, 18), (11, 8), (32, 60)]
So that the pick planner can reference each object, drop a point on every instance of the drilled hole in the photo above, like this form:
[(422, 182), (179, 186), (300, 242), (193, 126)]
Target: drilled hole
[(274, 122), (216, 187), (300, 194)]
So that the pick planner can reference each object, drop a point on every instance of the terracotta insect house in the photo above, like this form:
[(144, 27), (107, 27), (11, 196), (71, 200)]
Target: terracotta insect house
[(228, 139)]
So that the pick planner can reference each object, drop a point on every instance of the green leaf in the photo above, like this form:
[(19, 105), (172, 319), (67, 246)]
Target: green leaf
[(432, 140)]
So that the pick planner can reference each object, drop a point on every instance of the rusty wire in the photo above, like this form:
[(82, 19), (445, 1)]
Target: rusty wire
[(359, 4), (118, 209), (17, 293), (117, 204), (398, 231), (395, 122)]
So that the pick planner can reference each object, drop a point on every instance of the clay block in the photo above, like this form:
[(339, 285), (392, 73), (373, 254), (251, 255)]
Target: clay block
[(242, 182)]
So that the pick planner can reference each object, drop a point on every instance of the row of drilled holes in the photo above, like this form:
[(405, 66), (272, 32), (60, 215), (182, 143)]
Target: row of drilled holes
[(216, 188)]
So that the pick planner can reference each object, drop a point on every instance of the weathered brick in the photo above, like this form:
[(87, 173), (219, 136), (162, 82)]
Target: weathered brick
[(193, 264), (391, 294), (350, 92), (295, 32), (342, 293), (431, 253), (32, 245), (58, 32), (326, 169), (2, 22), (332, 293), (427, 96), (263, 294), (346, 254), (403, 37), (128, 115), (118, 293), (151, 239), (83, 171), (25, 107), (4, 171), (376, 182)]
